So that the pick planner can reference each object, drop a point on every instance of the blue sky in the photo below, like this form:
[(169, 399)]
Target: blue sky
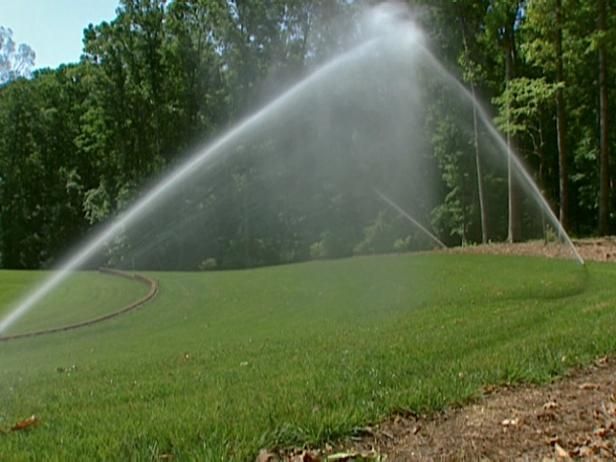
[(54, 28)]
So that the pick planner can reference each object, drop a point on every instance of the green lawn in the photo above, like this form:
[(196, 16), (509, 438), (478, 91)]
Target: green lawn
[(97, 294), (222, 364)]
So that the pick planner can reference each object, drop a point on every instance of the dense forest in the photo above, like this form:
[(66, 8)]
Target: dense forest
[(79, 142)]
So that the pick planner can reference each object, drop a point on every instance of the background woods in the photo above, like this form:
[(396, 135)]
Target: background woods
[(77, 143)]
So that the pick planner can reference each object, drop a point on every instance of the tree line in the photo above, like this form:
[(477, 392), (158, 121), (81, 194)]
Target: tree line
[(78, 142)]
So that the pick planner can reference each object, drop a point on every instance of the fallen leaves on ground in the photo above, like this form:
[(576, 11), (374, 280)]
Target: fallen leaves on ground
[(327, 455), (560, 452), (589, 386), (572, 418), (510, 422), (26, 423)]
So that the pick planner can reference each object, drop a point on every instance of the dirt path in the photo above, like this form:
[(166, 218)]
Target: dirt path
[(572, 418), (152, 292)]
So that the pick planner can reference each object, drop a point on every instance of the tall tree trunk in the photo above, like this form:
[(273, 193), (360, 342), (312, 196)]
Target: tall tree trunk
[(604, 174), (482, 208), (561, 121), (541, 177), (514, 231)]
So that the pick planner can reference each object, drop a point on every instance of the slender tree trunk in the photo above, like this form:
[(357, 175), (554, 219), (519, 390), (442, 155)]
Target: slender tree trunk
[(482, 209), (604, 174), (540, 150), (514, 231), (561, 122)]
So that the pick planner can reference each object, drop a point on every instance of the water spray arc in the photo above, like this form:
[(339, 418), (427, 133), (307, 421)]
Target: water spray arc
[(512, 157), (393, 36), (208, 154), (406, 215)]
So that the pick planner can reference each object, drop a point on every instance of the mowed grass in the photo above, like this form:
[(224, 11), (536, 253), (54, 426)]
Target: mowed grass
[(84, 295), (223, 364)]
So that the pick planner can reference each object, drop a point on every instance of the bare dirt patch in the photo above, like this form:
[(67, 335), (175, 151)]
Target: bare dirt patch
[(603, 249), (572, 418)]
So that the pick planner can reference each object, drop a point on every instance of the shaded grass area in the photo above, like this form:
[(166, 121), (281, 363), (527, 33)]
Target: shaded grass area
[(82, 296), (222, 364)]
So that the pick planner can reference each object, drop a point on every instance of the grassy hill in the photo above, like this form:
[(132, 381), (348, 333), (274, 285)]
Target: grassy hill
[(84, 295), (222, 364)]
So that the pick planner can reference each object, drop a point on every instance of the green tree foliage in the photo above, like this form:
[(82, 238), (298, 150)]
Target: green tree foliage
[(15, 61), (77, 143), (42, 173)]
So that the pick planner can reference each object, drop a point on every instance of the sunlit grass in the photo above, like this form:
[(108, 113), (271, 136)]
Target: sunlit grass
[(84, 295), (222, 364)]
